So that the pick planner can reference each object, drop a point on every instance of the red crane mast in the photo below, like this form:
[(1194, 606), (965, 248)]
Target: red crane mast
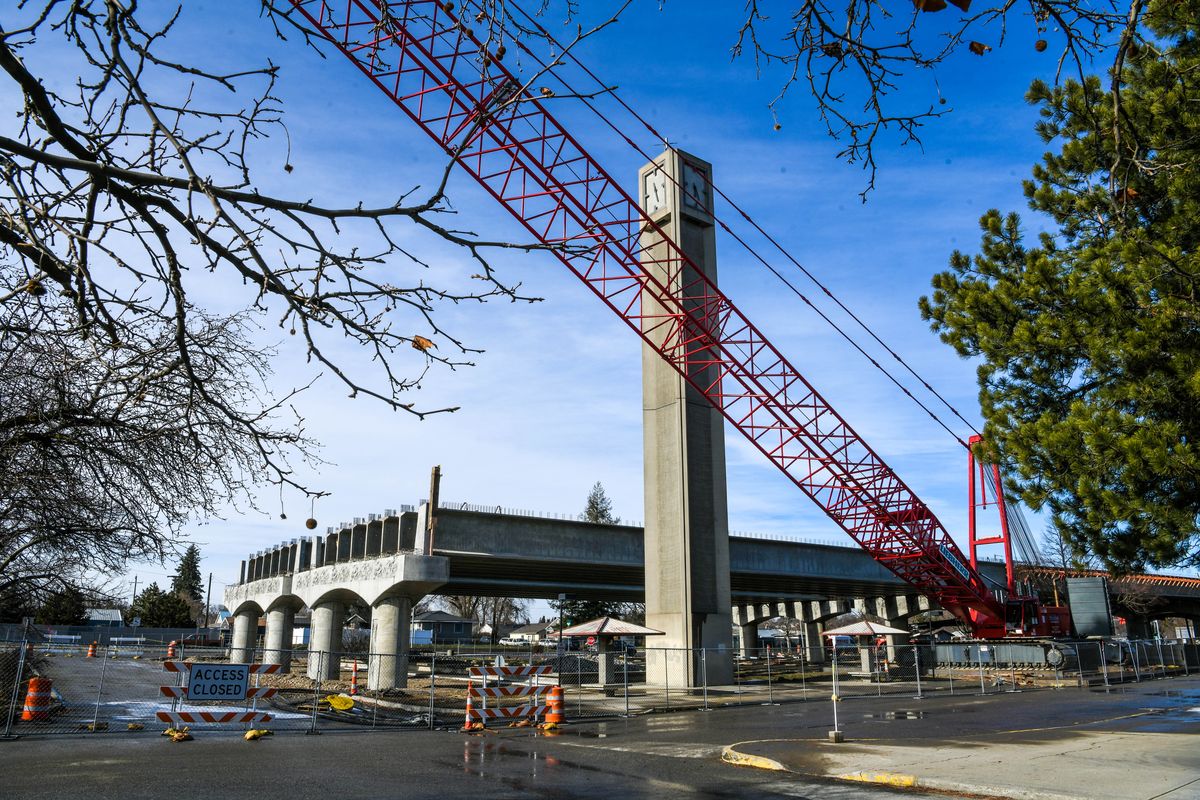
[(430, 63)]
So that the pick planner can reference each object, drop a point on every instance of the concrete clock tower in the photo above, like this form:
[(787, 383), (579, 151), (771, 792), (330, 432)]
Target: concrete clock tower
[(687, 521)]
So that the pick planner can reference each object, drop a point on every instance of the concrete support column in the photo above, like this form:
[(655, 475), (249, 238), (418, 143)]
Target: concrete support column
[(278, 647), (325, 640), (687, 521), (245, 631), (391, 618), (814, 646), (748, 637)]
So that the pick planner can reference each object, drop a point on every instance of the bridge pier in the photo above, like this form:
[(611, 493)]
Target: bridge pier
[(747, 619), (245, 631), (391, 619), (815, 613), (277, 648), (325, 640)]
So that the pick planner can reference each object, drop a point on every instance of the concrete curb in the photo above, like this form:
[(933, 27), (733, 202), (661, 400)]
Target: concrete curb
[(731, 756), (899, 780), (886, 778)]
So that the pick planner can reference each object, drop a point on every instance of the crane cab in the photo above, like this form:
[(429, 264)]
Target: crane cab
[(1026, 616)]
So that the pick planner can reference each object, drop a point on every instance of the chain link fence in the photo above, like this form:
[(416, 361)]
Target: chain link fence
[(55, 686)]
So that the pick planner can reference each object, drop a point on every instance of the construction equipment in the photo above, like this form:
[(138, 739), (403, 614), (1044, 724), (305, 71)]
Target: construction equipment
[(435, 68)]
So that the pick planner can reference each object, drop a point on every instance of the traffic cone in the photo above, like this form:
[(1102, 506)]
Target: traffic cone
[(470, 709), (37, 700), (171, 650), (555, 711), (354, 677), (91, 650)]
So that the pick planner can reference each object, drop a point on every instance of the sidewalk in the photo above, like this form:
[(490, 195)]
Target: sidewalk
[(1151, 752)]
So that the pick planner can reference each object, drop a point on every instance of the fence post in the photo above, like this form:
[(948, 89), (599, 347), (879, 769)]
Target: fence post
[(1103, 664), (432, 681), (982, 687), (667, 675), (704, 669), (625, 659), (835, 698), (100, 690), (312, 730), (877, 671), (1161, 664), (770, 687), (1133, 656), (803, 670), (16, 690), (917, 667)]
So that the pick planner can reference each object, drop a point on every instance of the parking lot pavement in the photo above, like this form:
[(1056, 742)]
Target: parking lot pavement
[(1141, 742), (1130, 744)]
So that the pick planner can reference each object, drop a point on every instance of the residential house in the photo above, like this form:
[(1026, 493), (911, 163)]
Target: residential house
[(442, 627)]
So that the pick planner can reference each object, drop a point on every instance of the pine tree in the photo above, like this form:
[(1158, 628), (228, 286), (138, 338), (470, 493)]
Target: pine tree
[(66, 607), (187, 581), (159, 609), (599, 507), (1088, 338)]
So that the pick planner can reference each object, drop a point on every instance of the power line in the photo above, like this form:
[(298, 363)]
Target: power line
[(586, 97)]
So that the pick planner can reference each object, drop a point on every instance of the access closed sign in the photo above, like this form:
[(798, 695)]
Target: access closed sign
[(218, 681)]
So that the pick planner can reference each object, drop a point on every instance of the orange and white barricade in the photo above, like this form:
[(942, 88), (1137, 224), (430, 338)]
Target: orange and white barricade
[(180, 693), (535, 695)]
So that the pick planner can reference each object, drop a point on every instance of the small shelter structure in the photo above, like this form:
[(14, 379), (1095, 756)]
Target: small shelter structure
[(873, 659), (604, 630)]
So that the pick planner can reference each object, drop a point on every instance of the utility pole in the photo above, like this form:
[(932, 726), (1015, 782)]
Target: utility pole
[(134, 600), (207, 600)]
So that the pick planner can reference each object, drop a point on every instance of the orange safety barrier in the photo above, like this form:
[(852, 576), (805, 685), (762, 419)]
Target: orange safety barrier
[(555, 714), (92, 650), (37, 700), (171, 650)]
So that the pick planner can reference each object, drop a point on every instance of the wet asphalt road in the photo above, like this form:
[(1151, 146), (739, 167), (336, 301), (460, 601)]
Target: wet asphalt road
[(653, 756)]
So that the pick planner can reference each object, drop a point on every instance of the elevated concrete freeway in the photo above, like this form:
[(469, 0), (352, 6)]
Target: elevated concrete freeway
[(506, 555), (477, 552)]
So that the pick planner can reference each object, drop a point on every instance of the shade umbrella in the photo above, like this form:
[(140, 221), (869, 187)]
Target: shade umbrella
[(603, 631), (610, 626), (865, 628)]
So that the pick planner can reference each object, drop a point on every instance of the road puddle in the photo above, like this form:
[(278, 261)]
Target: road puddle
[(895, 715)]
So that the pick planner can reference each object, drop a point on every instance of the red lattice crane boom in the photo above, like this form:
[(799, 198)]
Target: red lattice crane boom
[(432, 66)]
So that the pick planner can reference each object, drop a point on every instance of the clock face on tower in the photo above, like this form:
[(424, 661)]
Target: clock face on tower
[(695, 189), (654, 193)]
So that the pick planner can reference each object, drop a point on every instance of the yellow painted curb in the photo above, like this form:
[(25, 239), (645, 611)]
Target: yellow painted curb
[(731, 756), (887, 778)]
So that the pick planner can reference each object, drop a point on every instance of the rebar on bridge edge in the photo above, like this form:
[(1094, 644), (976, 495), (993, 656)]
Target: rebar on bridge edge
[(435, 485)]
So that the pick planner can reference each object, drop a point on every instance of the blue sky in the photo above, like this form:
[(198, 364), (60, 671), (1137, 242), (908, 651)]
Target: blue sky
[(554, 403)]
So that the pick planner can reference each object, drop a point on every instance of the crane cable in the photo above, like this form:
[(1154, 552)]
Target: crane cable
[(586, 98), (1022, 537)]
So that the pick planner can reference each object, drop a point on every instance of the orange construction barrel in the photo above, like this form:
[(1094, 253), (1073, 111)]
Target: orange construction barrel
[(37, 700)]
